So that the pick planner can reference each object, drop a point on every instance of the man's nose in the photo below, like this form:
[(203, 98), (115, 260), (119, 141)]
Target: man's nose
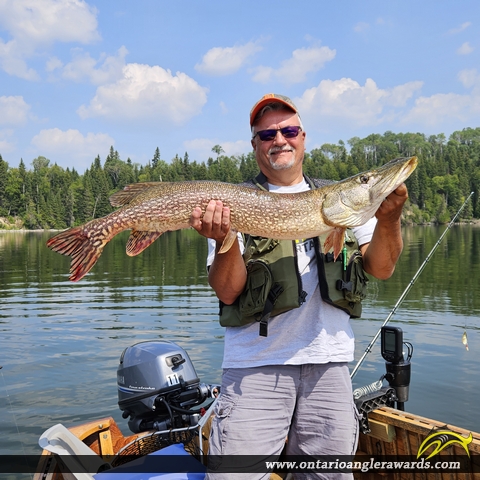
[(279, 138)]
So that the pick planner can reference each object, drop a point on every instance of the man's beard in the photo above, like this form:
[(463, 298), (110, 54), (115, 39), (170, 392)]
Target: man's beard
[(281, 165)]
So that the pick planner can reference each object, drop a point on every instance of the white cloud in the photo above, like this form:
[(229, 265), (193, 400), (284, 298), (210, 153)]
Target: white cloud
[(465, 49), (33, 24), (83, 67), (237, 148), (53, 63), (147, 93), (69, 147), (201, 148), (296, 68), (361, 27), (435, 109), (347, 100), (263, 74), (47, 21), (12, 62), (469, 78), (220, 61), (459, 29), (303, 61), (13, 110), (446, 107), (223, 108), (399, 95), (6, 146)]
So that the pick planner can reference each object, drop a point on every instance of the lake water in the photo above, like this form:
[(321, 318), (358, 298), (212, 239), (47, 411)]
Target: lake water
[(60, 341)]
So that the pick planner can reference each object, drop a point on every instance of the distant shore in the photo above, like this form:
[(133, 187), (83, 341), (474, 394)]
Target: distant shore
[(20, 230)]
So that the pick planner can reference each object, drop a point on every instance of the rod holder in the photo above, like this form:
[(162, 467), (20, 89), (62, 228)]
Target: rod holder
[(398, 377)]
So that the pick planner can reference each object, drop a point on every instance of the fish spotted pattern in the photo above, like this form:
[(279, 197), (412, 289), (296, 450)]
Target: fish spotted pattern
[(152, 208)]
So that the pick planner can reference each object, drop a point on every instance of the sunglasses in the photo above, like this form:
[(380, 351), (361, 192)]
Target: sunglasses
[(288, 132)]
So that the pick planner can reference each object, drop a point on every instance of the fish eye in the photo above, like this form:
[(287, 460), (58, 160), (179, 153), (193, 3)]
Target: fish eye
[(364, 179)]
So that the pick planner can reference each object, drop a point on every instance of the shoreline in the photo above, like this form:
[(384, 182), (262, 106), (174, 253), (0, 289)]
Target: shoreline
[(25, 230)]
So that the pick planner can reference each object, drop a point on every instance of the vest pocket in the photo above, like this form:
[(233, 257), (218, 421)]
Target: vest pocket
[(259, 282), (356, 275)]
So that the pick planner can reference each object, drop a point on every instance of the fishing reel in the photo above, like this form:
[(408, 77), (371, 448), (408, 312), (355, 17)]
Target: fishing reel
[(397, 362)]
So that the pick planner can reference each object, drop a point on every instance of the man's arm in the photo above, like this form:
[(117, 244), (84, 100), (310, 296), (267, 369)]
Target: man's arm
[(381, 254), (227, 274)]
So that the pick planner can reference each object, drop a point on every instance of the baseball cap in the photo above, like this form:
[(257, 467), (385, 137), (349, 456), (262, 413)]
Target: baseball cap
[(269, 98)]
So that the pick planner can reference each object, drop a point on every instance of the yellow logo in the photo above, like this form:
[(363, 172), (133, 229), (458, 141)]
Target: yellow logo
[(441, 439)]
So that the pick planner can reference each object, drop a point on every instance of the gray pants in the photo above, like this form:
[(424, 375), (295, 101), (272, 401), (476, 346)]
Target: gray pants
[(259, 407)]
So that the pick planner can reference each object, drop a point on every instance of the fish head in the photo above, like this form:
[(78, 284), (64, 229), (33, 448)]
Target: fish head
[(353, 201)]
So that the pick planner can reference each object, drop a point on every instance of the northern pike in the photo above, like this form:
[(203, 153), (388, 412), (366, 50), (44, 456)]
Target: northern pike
[(151, 208)]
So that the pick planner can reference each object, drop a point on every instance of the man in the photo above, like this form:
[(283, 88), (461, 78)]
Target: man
[(295, 381)]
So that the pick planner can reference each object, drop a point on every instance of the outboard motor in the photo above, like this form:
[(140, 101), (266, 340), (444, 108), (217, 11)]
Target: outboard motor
[(158, 387)]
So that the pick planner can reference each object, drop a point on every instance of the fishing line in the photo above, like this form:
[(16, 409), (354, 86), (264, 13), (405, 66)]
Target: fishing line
[(405, 292)]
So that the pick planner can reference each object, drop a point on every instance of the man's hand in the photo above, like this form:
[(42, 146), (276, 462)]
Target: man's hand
[(391, 208), (381, 254), (215, 222), (227, 274)]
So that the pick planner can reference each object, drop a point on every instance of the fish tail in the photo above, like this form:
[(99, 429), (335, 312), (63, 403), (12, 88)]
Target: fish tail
[(84, 250)]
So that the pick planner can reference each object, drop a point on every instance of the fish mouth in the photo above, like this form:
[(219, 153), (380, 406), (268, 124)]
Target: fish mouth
[(395, 175)]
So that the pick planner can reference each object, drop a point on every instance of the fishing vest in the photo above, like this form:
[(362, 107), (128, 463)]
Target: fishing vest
[(274, 284)]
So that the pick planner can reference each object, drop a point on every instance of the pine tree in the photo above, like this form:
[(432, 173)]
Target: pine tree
[(3, 183), (156, 158)]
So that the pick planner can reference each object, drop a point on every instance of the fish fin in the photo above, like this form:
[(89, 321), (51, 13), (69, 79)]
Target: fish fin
[(335, 240), (228, 241), (77, 245), (138, 241), (126, 195)]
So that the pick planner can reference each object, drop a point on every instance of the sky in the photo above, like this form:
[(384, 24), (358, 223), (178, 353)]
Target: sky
[(77, 77)]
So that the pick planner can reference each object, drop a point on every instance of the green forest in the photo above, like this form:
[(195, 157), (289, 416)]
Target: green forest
[(44, 196)]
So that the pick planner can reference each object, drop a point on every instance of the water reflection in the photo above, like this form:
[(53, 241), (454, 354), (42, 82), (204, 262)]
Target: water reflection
[(61, 341)]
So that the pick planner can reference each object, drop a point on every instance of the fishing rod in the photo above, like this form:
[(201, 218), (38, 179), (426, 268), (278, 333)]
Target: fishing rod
[(410, 285)]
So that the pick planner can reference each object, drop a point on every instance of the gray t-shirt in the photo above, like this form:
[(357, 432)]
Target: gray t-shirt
[(316, 332)]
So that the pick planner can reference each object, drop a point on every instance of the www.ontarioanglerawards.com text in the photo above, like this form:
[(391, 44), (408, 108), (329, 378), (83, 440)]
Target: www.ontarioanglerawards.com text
[(362, 466)]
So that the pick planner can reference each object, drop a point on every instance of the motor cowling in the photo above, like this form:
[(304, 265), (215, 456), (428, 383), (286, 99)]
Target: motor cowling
[(158, 386)]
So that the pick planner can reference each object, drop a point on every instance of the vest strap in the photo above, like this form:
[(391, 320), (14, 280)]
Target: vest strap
[(273, 294)]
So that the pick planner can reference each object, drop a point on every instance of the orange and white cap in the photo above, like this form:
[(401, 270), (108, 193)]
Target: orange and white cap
[(269, 98)]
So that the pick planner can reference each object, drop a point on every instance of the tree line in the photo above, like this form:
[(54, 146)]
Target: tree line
[(49, 196)]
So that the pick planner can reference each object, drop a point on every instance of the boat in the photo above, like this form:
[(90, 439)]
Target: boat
[(399, 434), (170, 412)]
